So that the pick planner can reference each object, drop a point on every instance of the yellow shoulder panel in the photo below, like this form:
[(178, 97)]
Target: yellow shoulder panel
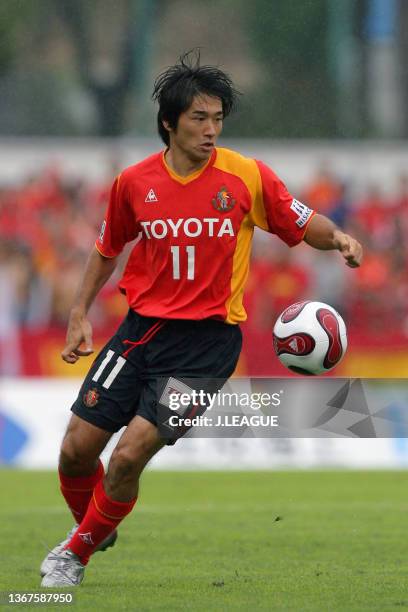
[(247, 170), (240, 270)]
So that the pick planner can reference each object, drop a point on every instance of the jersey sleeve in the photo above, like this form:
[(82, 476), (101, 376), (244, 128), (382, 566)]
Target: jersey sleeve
[(119, 226), (284, 215)]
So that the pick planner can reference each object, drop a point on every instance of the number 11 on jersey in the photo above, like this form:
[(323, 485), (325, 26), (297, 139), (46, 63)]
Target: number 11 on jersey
[(175, 251)]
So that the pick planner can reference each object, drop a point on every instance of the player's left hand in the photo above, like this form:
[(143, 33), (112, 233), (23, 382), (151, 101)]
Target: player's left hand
[(350, 248), (79, 332)]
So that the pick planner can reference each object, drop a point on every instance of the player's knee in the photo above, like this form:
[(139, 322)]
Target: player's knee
[(73, 461), (127, 462), (123, 464)]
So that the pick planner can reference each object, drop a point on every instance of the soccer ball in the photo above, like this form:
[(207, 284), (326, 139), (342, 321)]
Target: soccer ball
[(310, 337)]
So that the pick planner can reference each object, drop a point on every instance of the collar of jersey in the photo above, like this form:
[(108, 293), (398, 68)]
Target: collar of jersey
[(183, 180)]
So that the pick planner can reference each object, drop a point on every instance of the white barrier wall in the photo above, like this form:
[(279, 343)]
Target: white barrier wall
[(296, 162), (34, 414)]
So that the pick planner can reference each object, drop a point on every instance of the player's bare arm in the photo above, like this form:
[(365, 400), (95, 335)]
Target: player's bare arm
[(323, 234), (97, 271)]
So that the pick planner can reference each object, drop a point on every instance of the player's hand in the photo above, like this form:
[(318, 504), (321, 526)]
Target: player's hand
[(79, 332), (350, 248)]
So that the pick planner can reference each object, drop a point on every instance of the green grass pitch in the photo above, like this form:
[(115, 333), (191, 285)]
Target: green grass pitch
[(226, 541)]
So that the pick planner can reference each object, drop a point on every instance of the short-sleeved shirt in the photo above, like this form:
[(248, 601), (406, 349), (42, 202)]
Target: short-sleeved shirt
[(191, 259)]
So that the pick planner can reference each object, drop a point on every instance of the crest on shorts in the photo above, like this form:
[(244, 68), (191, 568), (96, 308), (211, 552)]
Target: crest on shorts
[(223, 201), (91, 398)]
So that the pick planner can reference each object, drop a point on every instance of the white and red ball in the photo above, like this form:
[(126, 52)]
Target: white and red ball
[(310, 337)]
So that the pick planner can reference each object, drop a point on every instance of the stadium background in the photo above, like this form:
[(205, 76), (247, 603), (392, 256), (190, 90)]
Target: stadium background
[(325, 92)]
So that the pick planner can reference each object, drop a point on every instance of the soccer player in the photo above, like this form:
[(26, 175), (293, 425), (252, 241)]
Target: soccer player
[(193, 208)]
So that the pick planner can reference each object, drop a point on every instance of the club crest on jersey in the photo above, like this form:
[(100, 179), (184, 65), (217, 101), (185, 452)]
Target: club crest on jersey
[(91, 398), (223, 201)]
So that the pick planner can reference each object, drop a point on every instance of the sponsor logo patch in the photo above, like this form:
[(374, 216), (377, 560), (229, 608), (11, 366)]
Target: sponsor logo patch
[(151, 197), (87, 538), (223, 201), (192, 227), (91, 398), (303, 212)]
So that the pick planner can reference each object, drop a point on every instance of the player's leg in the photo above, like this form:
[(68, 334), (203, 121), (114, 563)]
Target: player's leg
[(104, 405), (82, 443), (79, 471), (107, 401), (79, 465), (112, 500), (139, 443), (115, 496)]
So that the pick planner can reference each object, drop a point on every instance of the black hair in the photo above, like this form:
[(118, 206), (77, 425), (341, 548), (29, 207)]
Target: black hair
[(175, 88)]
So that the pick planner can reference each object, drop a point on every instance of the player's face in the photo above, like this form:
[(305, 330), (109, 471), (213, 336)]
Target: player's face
[(198, 128)]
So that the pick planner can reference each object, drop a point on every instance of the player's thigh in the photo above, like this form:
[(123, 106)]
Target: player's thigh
[(82, 445)]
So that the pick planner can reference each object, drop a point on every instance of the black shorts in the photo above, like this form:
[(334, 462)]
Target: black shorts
[(125, 378)]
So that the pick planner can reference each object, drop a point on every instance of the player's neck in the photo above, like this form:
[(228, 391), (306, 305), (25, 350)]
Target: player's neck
[(181, 164)]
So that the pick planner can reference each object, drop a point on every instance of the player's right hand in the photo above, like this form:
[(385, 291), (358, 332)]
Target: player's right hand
[(79, 332), (349, 247)]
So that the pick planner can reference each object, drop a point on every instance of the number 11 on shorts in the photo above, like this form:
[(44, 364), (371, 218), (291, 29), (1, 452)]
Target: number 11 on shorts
[(175, 251), (120, 362)]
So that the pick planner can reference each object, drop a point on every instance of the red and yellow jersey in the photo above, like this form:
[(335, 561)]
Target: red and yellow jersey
[(191, 260)]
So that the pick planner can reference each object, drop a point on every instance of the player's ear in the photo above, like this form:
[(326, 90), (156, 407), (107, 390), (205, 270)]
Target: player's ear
[(166, 125)]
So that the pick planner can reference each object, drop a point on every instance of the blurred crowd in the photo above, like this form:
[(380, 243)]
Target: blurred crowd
[(48, 224), (374, 298)]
